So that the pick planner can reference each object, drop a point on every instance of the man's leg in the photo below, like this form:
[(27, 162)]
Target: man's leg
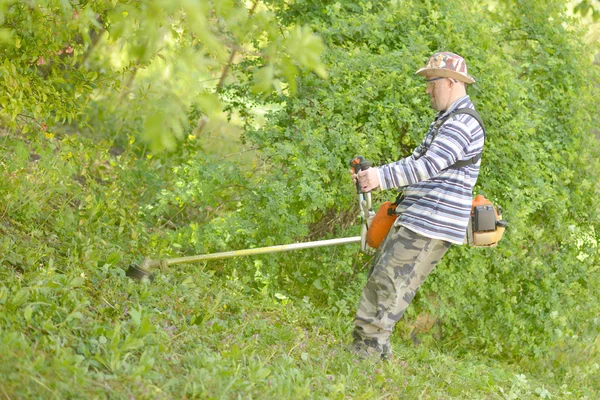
[(402, 263)]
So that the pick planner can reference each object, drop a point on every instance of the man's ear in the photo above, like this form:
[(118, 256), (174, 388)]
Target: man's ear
[(454, 82)]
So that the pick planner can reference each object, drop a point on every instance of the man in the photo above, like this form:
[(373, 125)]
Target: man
[(437, 181)]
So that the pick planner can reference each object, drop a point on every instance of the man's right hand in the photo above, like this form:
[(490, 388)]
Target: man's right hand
[(368, 180)]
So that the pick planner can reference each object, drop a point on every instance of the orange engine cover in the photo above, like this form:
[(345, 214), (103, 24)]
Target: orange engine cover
[(381, 224)]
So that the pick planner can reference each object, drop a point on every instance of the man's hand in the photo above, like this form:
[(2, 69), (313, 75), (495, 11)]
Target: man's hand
[(368, 180)]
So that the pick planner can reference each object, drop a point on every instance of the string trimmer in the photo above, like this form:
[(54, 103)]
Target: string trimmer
[(145, 268)]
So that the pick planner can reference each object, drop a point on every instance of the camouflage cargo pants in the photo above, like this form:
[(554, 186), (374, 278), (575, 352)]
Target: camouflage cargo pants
[(401, 264)]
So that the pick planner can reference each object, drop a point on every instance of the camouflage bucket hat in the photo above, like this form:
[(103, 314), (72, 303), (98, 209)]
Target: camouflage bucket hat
[(447, 65)]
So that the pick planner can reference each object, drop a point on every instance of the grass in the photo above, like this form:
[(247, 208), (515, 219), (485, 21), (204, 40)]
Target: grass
[(191, 334)]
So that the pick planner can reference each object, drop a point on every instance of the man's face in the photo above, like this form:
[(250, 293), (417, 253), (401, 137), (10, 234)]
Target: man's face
[(439, 91)]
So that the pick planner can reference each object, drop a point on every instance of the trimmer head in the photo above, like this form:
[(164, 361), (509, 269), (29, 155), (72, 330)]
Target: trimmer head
[(139, 274)]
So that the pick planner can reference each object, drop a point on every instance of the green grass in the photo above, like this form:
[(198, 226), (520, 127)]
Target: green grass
[(191, 334)]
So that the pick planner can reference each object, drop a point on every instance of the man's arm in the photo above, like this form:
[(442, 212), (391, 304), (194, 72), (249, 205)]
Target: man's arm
[(450, 145)]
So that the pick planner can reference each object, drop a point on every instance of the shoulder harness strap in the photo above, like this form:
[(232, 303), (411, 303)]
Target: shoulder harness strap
[(475, 159)]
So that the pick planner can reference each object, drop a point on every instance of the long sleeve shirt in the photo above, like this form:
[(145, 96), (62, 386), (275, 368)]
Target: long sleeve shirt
[(437, 201)]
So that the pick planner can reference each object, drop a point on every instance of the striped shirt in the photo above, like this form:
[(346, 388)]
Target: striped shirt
[(437, 201)]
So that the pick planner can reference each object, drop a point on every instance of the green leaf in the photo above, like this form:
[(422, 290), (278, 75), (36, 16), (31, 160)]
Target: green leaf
[(263, 79), (27, 313), (318, 283), (136, 316), (20, 298)]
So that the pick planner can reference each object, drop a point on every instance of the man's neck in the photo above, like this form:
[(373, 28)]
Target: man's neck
[(453, 101)]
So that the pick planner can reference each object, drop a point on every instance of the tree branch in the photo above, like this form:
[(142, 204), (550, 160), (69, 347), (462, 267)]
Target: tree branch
[(232, 55)]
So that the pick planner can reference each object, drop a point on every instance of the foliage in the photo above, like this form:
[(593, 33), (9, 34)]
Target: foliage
[(155, 58), (540, 163), (588, 7), (73, 326), (539, 106)]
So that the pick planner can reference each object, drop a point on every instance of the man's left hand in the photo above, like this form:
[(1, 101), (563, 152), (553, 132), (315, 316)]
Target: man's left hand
[(368, 180)]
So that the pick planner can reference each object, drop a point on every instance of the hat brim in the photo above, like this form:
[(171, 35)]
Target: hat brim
[(446, 73)]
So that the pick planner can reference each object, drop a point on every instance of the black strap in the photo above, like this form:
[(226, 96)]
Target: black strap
[(392, 209), (473, 160)]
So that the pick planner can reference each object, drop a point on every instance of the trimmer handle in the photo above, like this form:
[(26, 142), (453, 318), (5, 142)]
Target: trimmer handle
[(359, 163)]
